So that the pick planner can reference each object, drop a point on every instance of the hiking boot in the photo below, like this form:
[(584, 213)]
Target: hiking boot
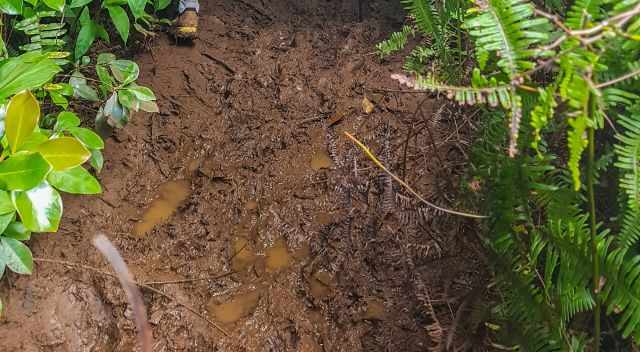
[(187, 25)]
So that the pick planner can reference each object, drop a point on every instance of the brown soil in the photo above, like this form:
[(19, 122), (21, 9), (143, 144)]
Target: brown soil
[(327, 253)]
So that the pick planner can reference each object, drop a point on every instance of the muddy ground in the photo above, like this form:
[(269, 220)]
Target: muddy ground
[(324, 253)]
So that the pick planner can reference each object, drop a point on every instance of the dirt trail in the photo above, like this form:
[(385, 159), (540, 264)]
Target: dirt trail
[(328, 254)]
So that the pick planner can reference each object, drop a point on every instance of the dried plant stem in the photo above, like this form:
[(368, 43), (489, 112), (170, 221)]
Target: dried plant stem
[(141, 285), (379, 164), (109, 251)]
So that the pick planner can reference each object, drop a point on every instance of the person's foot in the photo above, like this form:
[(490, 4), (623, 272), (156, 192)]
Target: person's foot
[(187, 25)]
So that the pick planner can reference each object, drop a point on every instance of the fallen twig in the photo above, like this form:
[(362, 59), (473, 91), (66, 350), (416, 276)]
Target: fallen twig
[(109, 251), (405, 185)]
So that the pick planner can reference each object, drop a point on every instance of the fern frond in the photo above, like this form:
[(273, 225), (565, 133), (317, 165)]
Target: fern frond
[(426, 16), (492, 95), (622, 290), (542, 113), (582, 12), (396, 42), (508, 28)]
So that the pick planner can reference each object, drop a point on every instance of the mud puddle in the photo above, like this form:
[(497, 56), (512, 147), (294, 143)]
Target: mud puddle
[(169, 197), (327, 254)]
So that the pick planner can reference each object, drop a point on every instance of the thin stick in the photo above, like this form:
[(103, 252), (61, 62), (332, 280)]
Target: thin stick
[(184, 281), (619, 79), (109, 251), (142, 285), (405, 185)]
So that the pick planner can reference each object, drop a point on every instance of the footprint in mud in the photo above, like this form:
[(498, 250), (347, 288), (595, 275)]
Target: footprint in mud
[(238, 307), (170, 196)]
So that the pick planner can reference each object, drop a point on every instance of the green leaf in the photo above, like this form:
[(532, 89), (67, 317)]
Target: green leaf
[(128, 100), (64, 152), (79, 3), (35, 139), (40, 208), (76, 180), (102, 33), (24, 72), (142, 93), (106, 81), (59, 99), (5, 220), (11, 7), (66, 120), (120, 21), (6, 205), (80, 87), (137, 7), (22, 118), (57, 5), (23, 171), (87, 137), (85, 38), (97, 160), (125, 71), (16, 255), (161, 4), (117, 115), (18, 231)]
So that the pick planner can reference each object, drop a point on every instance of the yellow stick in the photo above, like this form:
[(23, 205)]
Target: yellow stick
[(405, 185)]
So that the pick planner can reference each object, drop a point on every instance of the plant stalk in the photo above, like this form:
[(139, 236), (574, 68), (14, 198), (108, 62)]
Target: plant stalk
[(594, 245)]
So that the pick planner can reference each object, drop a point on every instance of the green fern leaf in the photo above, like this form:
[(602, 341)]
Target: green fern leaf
[(425, 15), (542, 113), (396, 42), (508, 28), (582, 12)]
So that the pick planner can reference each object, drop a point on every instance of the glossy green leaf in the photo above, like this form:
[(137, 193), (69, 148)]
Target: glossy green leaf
[(76, 180), (6, 205), (23, 171), (79, 3), (85, 17), (5, 220), (106, 81), (97, 160), (57, 5), (125, 71), (66, 120), (87, 137), (120, 21), (128, 100), (81, 88), (11, 7), (59, 99), (33, 141), (3, 265), (102, 33), (24, 72), (85, 39), (137, 7), (116, 114), (64, 152), (142, 93), (18, 231), (16, 255), (22, 118), (40, 208), (161, 4)]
